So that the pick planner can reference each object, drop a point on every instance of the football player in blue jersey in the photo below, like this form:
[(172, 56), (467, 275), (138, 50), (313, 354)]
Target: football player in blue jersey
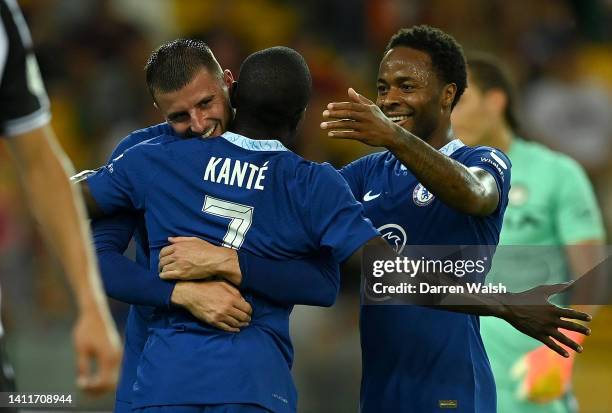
[(432, 189), (224, 173), (198, 100), (243, 193)]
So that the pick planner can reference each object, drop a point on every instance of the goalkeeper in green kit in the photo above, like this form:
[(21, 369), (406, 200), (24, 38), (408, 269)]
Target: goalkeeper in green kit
[(552, 210)]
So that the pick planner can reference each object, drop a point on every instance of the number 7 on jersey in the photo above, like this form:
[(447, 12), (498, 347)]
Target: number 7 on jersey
[(240, 217)]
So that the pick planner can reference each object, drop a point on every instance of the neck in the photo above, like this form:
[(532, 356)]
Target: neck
[(441, 136), (254, 129)]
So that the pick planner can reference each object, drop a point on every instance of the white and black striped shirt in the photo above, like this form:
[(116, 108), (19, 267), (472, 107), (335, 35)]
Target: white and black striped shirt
[(24, 104)]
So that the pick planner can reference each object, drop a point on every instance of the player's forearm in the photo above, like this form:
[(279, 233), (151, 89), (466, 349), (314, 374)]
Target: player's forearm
[(126, 281), (452, 183), (475, 303), (227, 266), (44, 170), (494, 305), (312, 281)]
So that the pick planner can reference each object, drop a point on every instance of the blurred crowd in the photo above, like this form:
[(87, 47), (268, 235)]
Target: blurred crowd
[(92, 53)]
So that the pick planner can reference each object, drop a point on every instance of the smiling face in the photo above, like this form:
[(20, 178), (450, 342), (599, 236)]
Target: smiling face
[(200, 108), (410, 93)]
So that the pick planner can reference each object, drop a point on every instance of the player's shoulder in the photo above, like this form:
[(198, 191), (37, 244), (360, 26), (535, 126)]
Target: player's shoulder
[(384, 157), (381, 156), (466, 150), (140, 136), (311, 174), (151, 148), (305, 167), (482, 152)]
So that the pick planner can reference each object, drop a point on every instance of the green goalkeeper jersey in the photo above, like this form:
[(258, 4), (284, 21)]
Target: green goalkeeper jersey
[(551, 204)]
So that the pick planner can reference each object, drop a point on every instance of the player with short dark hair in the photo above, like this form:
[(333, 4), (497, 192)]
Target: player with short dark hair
[(225, 176), (243, 193), (204, 98), (435, 190), (552, 219), (290, 81), (428, 188), (171, 66), (446, 54), (188, 67)]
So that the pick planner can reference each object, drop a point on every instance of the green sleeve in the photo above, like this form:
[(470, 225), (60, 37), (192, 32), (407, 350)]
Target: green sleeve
[(577, 217)]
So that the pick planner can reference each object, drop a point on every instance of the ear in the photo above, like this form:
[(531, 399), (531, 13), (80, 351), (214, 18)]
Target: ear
[(448, 95), (228, 78), (233, 93), (496, 100)]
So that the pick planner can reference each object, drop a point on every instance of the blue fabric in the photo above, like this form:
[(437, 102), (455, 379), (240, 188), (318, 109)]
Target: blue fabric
[(314, 280), (125, 280), (122, 407), (253, 195), (415, 357), (224, 408)]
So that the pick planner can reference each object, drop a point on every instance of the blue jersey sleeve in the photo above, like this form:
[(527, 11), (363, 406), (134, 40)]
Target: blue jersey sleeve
[(312, 281), (337, 220), (498, 165), (121, 184), (124, 280)]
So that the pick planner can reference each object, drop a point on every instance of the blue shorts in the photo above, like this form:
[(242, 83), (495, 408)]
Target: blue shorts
[(216, 408)]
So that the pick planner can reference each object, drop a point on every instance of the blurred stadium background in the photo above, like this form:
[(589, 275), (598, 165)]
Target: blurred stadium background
[(92, 52)]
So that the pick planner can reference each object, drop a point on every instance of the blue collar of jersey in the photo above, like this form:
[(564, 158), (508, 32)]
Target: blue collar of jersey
[(253, 144), (451, 147)]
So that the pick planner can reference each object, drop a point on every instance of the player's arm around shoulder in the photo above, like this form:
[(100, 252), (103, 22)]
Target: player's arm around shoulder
[(151, 135), (121, 184)]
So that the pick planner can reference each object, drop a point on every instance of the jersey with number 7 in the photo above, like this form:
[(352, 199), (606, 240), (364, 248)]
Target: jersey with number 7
[(240, 193)]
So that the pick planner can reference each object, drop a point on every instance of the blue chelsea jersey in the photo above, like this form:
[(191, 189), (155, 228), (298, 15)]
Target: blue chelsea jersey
[(240, 193), (416, 358), (134, 138), (138, 316)]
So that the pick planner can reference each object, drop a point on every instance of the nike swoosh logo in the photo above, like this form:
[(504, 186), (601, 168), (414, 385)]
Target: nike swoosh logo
[(368, 197)]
